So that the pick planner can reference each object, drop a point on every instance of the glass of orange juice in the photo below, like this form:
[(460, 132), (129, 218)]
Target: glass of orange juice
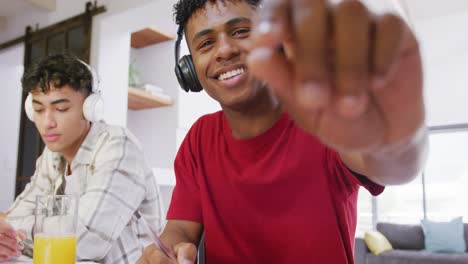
[(54, 231)]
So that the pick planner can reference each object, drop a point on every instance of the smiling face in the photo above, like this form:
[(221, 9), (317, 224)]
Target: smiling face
[(58, 116), (218, 37)]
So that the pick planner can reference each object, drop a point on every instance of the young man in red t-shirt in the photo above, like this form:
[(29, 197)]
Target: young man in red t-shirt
[(274, 176)]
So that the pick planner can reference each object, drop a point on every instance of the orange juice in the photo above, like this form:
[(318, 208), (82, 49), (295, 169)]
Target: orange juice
[(54, 250)]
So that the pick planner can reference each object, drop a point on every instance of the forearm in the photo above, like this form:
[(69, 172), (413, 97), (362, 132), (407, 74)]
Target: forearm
[(177, 231), (392, 165)]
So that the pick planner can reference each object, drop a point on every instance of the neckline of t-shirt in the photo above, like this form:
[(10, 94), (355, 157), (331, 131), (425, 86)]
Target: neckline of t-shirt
[(267, 136)]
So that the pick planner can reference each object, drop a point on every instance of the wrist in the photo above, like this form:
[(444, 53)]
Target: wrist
[(400, 162), (3, 215), (418, 141)]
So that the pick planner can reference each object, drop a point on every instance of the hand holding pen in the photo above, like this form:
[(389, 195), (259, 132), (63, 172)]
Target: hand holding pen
[(11, 241), (157, 241), (161, 254)]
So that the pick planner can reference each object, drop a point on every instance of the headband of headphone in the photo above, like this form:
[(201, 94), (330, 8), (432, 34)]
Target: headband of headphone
[(94, 76), (93, 105), (184, 68)]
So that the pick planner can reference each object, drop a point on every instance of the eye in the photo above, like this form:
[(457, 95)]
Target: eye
[(241, 32), (205, 44), (62, 109), (38, 110)]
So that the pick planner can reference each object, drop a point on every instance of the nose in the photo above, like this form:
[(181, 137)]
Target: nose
[(49, 120), (226, 48)]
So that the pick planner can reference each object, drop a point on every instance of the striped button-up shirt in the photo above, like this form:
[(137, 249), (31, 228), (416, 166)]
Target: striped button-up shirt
[(115, 186)]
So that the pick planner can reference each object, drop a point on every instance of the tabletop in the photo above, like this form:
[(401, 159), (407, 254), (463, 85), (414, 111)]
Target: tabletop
[(25, 259)]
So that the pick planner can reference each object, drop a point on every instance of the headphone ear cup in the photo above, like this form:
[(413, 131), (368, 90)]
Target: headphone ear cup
[(28, 108), (93, 107), (189, 74), (180, 78)]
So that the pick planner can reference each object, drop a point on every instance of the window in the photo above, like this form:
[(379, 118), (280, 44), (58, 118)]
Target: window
[(364, 213), (402, 204), (446, 176), (441, 195)]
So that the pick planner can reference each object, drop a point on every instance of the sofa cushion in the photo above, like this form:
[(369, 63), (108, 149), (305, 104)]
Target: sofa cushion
[(444, 236), (466, 236), (416, 257), (376, 242), (403, 236)]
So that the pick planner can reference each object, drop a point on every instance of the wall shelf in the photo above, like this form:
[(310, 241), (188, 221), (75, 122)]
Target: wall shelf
[(148, 36), (139, 99)]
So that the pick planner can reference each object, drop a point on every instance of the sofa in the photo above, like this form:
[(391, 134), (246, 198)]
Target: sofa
[(408, 245)]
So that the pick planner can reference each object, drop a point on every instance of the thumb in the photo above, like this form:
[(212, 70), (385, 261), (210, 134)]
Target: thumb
[(186, 253), (270, 65), (21, 234)]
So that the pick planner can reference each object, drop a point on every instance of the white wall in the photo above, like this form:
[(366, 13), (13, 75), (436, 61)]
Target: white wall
[(65, 9), (445, 55), (156, 127), (11, 69), (111, 51), (110, 46)]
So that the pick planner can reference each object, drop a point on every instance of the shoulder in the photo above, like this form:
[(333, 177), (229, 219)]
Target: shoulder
[(102, 133), (48, 157), (202, 132), (208, 125), (213, 120)]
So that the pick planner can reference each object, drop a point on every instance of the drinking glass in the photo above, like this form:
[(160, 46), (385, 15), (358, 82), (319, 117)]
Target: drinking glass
[(54, 230)]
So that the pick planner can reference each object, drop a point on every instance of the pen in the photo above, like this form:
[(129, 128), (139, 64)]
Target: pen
[(167, 252), (20, 242)]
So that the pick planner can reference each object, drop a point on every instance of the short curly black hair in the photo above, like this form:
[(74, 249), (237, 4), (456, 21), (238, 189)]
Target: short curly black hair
[(58, 70), (184, 9)]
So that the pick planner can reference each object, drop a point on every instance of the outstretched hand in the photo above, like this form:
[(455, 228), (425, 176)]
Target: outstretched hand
[(350, 77)]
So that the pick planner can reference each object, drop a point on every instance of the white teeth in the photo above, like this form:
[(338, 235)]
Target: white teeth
[(230, 74)]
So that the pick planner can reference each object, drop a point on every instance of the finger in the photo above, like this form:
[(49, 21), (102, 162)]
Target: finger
[(352, 30), (186, 253), (152, 254), (271, 30), (9, 247), (8, 251), (271, 66), (141, 260), (389, 30), (345, 135), (6, 229), (279, 73), (352, 46), (21, 234), (406, 83), (311, 34), (3, 258), (9, 243)]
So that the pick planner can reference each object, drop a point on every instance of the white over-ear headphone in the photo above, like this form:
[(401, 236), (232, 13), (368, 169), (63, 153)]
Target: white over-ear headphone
[(93, 105)]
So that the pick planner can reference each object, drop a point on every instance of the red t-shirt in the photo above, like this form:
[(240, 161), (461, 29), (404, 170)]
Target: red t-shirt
[(281, 197)]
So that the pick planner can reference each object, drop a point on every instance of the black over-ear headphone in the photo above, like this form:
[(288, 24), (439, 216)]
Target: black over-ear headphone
[(184, 68)]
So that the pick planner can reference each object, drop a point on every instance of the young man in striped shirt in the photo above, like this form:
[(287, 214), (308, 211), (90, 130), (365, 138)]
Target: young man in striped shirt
[(104, 165)]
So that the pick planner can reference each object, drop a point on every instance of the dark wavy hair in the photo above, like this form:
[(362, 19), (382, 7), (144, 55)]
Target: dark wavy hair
[(184, 9), (58, 70)]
